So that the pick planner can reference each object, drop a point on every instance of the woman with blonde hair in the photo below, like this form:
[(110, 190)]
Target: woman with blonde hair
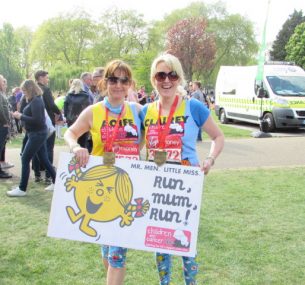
[(34, 120), (177, 147), (75, 102)]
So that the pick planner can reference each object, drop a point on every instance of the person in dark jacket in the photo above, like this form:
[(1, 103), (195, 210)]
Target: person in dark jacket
[(75, 102), (36, 130), (42, 79), (4, 124)]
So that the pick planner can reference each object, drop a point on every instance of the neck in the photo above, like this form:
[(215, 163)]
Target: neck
[(167, 102), (115, 102)]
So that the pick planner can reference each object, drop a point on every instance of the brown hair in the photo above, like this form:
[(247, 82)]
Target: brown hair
[(31, 87), (111, 67)]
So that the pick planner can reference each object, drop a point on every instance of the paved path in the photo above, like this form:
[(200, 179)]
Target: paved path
[(238, 153)]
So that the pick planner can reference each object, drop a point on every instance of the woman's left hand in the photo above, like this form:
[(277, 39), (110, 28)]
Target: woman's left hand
[(206, 166)]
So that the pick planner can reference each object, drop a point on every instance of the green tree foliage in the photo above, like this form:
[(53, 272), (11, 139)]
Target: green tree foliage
[(278, 51), (190, 42), (24, 36), (234, 36), (120, 34), (235, 41), (71, 43), (295, 47), (141, 69), (9, 55), (64, 39)]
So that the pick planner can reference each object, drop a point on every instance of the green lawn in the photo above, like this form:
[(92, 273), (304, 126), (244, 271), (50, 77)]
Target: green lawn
[(251, 232)]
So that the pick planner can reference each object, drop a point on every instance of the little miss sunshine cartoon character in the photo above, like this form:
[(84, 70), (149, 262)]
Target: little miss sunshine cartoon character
[(102, 194)]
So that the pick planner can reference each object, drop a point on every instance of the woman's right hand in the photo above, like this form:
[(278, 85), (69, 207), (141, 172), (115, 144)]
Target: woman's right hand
[(81, 154)]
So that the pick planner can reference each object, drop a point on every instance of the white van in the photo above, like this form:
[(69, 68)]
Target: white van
[(280, 103)]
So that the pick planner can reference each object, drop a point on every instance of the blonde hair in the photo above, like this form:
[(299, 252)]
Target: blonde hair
[(31, 87), (76, 86), (123, 184), (172, 63)]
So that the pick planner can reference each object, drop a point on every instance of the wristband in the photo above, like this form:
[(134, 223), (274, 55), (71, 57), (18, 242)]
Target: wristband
[(73, 146), (212, 158)]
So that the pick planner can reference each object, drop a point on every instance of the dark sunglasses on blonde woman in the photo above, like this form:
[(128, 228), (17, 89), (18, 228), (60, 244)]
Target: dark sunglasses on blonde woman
[(161, 76), (114, 80)]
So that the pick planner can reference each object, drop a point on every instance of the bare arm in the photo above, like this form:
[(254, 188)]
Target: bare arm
[(217, 144), (82, 125)]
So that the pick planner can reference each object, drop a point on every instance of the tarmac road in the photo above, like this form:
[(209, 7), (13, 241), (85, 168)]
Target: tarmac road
[(237, 153)]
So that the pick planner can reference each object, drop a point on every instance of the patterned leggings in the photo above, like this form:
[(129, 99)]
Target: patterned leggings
[(115, 255), (164, 264)]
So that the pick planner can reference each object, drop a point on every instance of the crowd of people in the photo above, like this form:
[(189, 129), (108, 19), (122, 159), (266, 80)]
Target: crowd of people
[(110, 94)]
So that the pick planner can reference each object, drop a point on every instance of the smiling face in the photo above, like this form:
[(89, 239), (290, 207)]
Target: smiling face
[(98, 199), (165, 88), (118, 91)]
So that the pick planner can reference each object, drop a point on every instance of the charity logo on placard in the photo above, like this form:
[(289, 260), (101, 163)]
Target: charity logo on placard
[(157, 237)]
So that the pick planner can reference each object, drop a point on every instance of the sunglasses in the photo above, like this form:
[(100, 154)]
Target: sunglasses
[(114, 80), (161, 76)]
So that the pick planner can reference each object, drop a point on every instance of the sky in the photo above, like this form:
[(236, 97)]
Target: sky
[(32, 13)]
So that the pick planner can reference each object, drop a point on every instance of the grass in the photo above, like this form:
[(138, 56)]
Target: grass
[(230, 131), (251, 232)]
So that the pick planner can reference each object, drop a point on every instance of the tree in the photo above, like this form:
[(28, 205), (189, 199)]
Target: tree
[(235, 41), (120, 34), (189, 41), (65, 39), (295, 48), (24, 36), (278, 51), (9, 55)]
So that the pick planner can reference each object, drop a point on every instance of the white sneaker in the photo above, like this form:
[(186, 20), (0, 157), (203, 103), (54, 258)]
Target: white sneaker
[(16, 192), (6, 165), (50, 187)]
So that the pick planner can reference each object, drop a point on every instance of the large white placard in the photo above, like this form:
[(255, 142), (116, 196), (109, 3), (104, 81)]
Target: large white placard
[(133, 204)]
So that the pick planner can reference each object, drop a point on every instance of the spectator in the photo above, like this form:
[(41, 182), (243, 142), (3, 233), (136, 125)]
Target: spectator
[(132, 93), (36, 131), (142, 96), (86, 78), (42, 79), (4, 125), (4, 164), (97, 76), (76, 101), (197, 94), (59, 119)]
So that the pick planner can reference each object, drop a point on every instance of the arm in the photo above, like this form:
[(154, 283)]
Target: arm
[(82, 125), (217, 144)]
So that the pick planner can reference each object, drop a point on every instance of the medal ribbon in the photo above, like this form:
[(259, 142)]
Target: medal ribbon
[(110, 139), (162, 135)]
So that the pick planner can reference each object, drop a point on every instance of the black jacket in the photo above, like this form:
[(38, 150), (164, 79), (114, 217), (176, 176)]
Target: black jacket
[(74, 104), (33, 115), (49, 102)]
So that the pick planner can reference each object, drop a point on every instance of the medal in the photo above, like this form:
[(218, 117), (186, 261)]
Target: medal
[(160, 157), (109, 155), (109, 158)]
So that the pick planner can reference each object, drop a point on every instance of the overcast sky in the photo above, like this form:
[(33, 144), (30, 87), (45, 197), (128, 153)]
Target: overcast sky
[(33, 12)]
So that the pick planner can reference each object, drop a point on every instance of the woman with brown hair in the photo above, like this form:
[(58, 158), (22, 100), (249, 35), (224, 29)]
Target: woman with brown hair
[(34, 120), (115, 128)]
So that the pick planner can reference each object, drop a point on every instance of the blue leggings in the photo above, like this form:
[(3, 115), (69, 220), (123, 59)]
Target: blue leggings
[(115, 255), (164, 264)]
